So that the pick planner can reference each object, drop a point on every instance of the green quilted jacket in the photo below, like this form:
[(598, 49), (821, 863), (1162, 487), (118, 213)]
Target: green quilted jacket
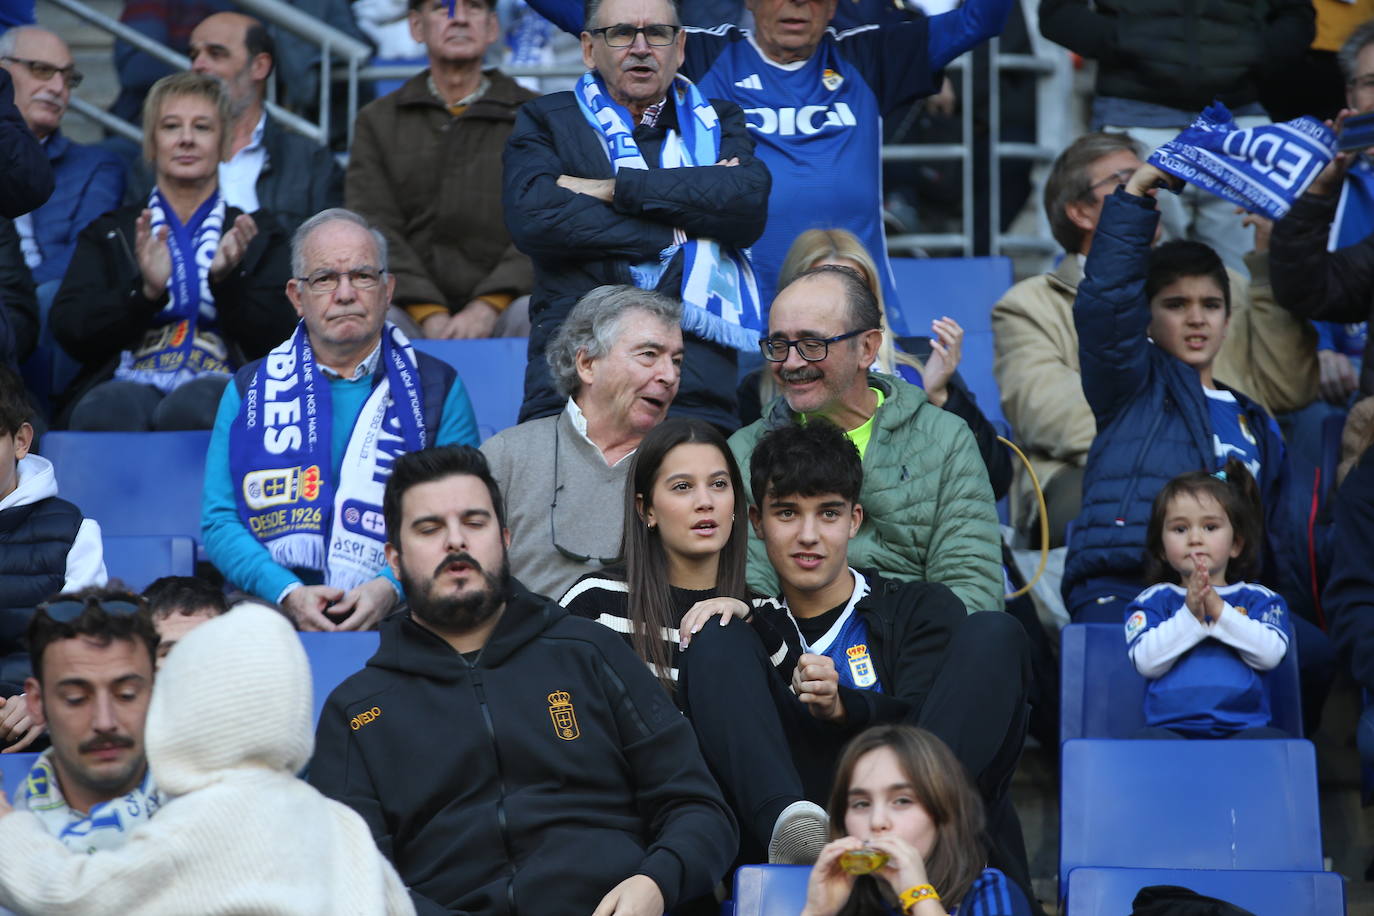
[(929, 514)]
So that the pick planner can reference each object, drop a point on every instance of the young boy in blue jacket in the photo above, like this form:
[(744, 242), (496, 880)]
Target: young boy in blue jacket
[(1150, 324)]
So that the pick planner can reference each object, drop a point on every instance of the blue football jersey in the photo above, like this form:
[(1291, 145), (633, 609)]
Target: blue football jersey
[(1232, 436), (1210, 692), (817, 124)]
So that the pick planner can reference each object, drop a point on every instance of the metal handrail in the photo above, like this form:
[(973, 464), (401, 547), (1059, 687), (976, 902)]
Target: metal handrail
[(329, 38)]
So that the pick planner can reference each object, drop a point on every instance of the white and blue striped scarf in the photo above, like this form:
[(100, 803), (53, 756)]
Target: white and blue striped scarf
[(720, 300), (1263, 169)]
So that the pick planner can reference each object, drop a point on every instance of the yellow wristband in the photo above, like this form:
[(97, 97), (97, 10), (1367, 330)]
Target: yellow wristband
[(914, 895)]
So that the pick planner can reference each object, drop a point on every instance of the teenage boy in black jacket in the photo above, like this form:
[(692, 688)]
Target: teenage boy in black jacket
[(508, 757), (863, 650)]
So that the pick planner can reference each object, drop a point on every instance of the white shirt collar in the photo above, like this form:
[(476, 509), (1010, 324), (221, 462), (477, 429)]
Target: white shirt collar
[(579, 423), (364, 369)]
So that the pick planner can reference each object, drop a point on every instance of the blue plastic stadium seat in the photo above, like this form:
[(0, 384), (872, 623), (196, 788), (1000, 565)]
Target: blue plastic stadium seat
[(13, 769), (1109, 891), (1101, 695), (1189, 804), (132, 483), (965, 289), (137, 560), (333, 657), (770, 890), (492, 370)]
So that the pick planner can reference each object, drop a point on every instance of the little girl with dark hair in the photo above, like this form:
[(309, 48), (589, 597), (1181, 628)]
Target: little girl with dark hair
[(1204, 636)]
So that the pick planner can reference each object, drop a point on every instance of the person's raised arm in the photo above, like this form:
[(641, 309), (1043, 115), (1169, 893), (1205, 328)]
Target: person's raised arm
[(964, 27), (1112, 312), (26, 179)]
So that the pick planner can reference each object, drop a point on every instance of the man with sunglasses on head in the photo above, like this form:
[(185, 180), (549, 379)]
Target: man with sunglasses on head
[(929, 514), (89, 180), (92, 654), (637, 177), (305, 438), (616, 359)]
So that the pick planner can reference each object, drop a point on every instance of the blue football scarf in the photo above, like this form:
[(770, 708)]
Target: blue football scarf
[(720, 301), (1263, 169), (279, 455), (183, 344)]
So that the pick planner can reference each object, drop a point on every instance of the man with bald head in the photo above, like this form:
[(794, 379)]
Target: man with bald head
[(305, 439), (89, 179), (929, 514), (269, 167)]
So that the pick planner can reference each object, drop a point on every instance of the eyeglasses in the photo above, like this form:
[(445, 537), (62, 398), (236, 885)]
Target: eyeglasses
[(44, 71), (326, 281), (811, 349), (69, 610), (622, 35), (1120, 176), (553, 535)]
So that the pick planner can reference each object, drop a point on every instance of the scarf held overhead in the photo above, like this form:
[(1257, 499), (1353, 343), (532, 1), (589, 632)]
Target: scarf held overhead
[(1263, 169), (279, 454), (720, 300)]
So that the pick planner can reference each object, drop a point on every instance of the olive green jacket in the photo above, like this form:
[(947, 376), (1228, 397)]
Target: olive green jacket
[(929, 515)]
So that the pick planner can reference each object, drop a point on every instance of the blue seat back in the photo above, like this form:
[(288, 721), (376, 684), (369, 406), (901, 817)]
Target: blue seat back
[(140, 559), (965, 289), (132, 483), (13, 769), (1189, 804), (770, 890), (493, 372), (1109, 891), (333, 657), (1101, 695)]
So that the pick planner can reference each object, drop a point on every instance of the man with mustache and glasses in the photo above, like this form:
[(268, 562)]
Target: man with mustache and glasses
[(89, 180), (929, 514), (92, 654), (305, 438), (509, 757)]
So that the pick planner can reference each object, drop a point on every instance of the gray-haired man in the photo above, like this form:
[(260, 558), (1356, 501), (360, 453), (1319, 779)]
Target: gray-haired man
[(305, 438), (617, 359)]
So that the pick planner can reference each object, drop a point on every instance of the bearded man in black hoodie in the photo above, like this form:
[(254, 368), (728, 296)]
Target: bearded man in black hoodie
[(510, 758)]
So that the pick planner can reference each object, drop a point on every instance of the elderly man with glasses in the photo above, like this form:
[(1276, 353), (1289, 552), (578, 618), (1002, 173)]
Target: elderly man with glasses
[(305, 438), (89, 180), (637, 177), (928, 511), (616, 360)]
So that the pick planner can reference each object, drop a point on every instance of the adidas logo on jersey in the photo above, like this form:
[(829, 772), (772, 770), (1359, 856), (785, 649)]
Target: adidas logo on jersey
[(751, 81), (807, 120)]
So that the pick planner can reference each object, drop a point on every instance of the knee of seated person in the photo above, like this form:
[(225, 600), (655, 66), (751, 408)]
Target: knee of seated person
[(997, 637)]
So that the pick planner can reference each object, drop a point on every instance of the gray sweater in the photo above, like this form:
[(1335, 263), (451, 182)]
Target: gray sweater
[(529, 462)]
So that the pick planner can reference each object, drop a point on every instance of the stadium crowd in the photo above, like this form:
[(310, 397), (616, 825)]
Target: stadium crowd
[(733, 589)]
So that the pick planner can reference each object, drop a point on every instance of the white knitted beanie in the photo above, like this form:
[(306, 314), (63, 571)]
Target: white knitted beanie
[(234, 693)]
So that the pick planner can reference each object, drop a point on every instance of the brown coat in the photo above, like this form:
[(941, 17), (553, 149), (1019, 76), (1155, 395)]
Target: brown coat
[(432, 183), (1268, 355)]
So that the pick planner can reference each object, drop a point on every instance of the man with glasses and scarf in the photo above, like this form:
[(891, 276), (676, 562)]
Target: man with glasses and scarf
[(929, 514), (92, 653), (305, 438), (636, 177), (616, 360)]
